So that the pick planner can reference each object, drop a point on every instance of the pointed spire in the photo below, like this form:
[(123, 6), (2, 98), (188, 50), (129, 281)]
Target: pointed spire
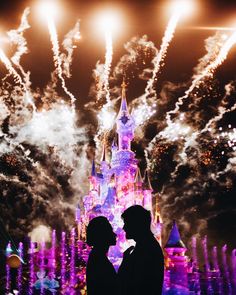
[(112, 180), (103, 159), (110, 198), (174, 240), (114, 143), (93, 170), (146, 182), (138, 176), (123, 106)]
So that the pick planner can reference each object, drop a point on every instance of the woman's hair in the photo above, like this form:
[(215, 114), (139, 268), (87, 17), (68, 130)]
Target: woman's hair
[(98, 231)]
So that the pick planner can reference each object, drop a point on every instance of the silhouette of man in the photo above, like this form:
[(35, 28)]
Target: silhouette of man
[(142, 268), (101, 276)]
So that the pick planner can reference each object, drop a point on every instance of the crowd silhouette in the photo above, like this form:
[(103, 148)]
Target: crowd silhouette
[(142, 267)]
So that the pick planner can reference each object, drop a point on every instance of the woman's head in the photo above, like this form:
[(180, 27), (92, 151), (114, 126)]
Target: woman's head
[(100, 232)]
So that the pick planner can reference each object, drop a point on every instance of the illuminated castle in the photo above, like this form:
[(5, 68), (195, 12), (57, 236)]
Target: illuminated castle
[(118, 183)]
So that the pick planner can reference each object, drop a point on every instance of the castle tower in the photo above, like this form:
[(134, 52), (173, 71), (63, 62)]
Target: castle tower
[(176, 260), (124, 159), (104, 163), (123, 162), (93, 183), (138, 188), (124, 123), (147, 192)]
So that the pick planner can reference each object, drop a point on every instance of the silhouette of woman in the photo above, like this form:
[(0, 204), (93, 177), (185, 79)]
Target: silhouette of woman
[(101, 276)]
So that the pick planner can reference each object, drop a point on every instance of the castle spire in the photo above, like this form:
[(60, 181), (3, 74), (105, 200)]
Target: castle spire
[(114, 143), (123, 106), (146, 182), (93, 169), (138, 178), (103, 158), (125, 123), (174, 240)]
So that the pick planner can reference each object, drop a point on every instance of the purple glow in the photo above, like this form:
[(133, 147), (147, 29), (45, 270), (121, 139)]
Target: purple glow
[(31, 266), (52, 270), (226, 270), (8, 278), (233, 265), (195, 264), (42, 266), (72, 259), (19, 271), (207, 265), (63, 258)]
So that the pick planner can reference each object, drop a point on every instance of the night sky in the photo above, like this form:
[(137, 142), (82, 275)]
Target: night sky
[(43, 177)]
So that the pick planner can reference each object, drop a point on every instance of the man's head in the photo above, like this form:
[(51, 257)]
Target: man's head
[(137, 222)]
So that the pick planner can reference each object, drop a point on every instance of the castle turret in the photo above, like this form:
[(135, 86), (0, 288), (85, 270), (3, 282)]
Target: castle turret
[(138, 183), (176, 261), (147, 192), (94, 186), (93, 196), (123, 159), (124, 123)]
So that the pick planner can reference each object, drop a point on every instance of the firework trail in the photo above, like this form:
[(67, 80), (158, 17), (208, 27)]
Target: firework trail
[(208, 71), (102, 71), (107, 66), (69, 45), (159, 59), (5, 60), (106, 115), (57, 58), (222, 110), (17, 78), (141, 110), (16, 37), (144, 110)]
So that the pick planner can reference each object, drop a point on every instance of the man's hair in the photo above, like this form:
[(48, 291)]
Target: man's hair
[(138, 215)]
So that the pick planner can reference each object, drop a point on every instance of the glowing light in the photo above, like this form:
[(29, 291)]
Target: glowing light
[(182, 7), (48, 8), (108, 20)]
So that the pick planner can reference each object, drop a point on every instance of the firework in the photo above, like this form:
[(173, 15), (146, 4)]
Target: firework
[(206, 72), (48, 10)]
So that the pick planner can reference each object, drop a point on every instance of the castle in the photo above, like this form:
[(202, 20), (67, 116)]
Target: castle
[(118, 183)]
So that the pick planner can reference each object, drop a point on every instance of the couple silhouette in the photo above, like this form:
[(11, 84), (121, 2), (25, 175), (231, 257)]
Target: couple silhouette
[(142, 267)]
